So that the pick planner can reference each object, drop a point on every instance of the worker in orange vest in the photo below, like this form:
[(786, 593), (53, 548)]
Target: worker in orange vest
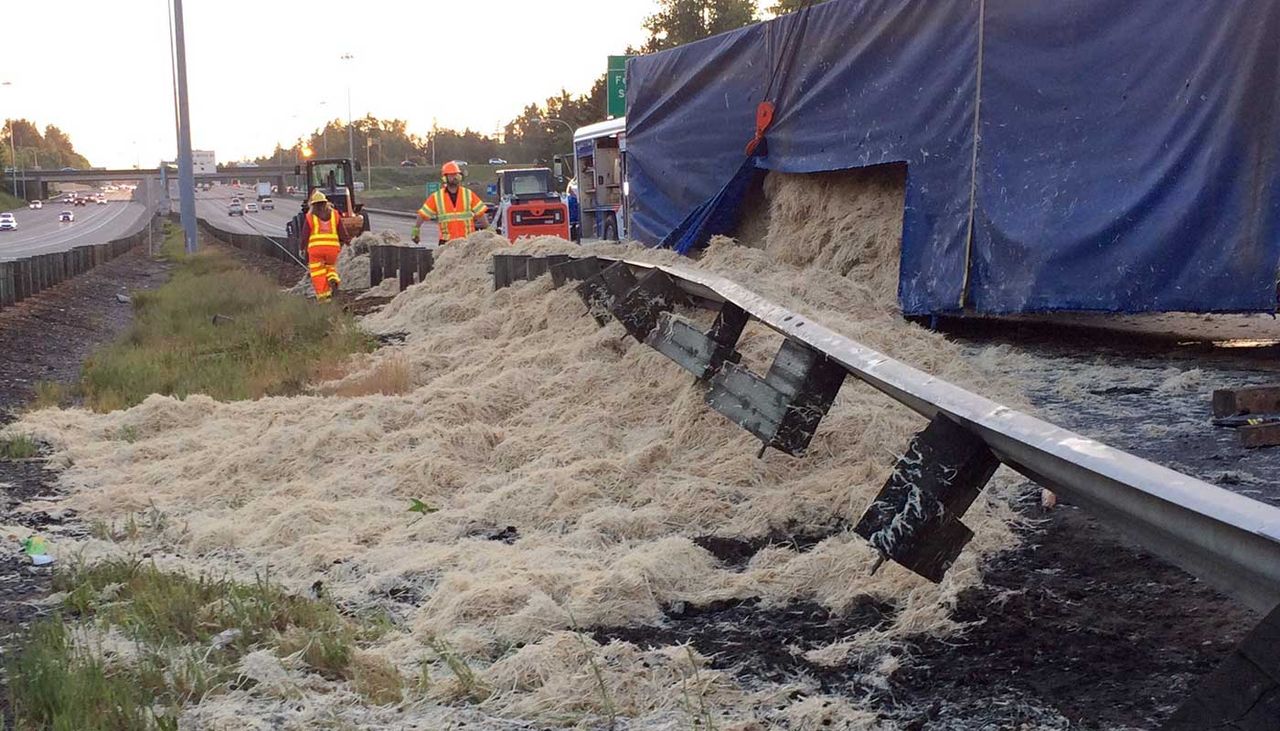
[(325, 237), (458, 210)]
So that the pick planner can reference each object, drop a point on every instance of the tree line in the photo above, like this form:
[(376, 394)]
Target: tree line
[(530, 137), (51, 150)]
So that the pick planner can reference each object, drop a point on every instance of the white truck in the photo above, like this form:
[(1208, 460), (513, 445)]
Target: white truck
[(600, 164), (263, 190)]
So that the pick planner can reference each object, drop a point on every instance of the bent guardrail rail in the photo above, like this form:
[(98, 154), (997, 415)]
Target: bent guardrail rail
[(1225, 539)]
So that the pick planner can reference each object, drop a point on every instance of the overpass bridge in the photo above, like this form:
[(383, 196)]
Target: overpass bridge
[(35, 183)]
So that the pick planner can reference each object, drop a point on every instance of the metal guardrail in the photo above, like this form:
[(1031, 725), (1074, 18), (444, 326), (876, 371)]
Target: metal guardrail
[(389, 212), (25, 277), (1224, 539)]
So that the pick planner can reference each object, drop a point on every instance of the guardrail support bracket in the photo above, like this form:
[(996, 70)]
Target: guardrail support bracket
[(1244, 692), (784, 408), (915, 520)]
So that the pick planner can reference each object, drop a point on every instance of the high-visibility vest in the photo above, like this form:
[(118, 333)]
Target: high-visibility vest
[(324, 233), (456, 222)]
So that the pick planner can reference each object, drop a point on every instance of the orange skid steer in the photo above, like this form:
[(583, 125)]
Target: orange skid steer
[(528, 205)]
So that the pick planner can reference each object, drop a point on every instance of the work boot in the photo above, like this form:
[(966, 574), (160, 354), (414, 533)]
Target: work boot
[(333, 286)]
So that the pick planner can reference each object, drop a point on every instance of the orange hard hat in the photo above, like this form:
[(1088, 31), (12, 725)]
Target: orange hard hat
[(450, 168)]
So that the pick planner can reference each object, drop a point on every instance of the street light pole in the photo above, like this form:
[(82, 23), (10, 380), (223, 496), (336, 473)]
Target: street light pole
[(559, 121), (13, 155), (186, 175), (572, 152), (351, 141)]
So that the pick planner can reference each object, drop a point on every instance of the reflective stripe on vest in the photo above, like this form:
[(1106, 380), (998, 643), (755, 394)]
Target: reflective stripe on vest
[(324, 233), (463, 213)]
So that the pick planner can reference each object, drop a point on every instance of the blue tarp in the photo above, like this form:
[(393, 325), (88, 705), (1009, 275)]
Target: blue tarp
[(1127, 154)]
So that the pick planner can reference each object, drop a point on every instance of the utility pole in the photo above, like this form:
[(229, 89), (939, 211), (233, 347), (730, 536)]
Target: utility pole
[(13, 155), (186, 175), (351, 141)]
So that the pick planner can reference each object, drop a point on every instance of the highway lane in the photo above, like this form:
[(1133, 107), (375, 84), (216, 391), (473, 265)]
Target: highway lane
[(40, 231), (211, 205)]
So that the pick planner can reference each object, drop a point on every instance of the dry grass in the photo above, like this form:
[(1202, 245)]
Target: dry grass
[(390, 376), (602, 454), (50, 394), (375, 678)]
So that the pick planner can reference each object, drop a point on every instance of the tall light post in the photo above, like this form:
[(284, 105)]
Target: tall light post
[(568, 127), (13, 154), (351, 141), (324, 135), (186, 174)]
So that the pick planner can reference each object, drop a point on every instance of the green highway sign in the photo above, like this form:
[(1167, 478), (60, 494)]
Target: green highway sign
[(616, 105)]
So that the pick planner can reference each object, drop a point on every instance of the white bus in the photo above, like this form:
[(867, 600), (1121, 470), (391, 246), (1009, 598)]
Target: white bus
[(600, 167)]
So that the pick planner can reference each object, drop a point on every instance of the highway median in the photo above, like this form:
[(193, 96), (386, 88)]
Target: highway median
[(219, 329)]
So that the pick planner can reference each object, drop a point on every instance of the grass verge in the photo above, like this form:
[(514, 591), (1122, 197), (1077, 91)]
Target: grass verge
[(18, 447), (10, 202), (133, 645), (219, 329)]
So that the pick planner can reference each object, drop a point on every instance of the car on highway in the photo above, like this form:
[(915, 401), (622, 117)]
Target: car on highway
[(8, 222), (80, 201), (66, 217), (251, 207), (35, 205), (268, 204), (408, 164), (234, 208), (497, 161), (102, 200)]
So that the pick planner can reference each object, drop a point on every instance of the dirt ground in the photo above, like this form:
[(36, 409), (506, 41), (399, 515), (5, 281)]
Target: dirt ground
[(1077, 630), (45, 339)]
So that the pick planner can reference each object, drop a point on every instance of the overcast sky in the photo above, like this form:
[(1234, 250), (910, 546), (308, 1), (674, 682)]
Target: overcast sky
[(267, 71)]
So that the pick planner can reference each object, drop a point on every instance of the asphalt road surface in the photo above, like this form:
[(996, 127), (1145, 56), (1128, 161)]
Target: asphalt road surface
[(212, 206), (40, 231)]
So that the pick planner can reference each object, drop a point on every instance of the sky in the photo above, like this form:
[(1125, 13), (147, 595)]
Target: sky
[(268, 71)]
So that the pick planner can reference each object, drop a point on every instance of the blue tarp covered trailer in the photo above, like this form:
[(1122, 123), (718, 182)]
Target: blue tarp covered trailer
[(1088, 155)]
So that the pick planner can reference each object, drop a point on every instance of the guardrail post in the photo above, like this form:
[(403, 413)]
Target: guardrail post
[(425, 262), (7, 297), (22, 279), (375, 266), (598, 291), (503, 270), (39, 274), (407, 265), (536, 266), (915, 520), (574, 270)]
